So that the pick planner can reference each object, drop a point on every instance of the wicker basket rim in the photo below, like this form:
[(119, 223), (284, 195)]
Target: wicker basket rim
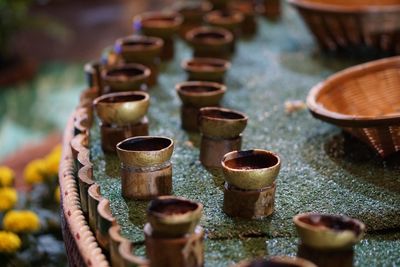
[(324, 114), (326, 7)]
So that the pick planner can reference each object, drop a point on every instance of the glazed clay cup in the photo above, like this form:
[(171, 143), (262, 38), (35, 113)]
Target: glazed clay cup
[(228, 19), (206, 69), (141, 49), (146, 171), (171, 216), (192, 13), (124, 108), (210, 42), (104, 221), (128, 77), (328, 232), (248, 9), (200, 94), (251, 169), (221, 123), (160, 24)]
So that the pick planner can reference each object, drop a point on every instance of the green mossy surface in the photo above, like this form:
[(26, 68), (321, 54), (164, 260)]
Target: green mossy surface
[(323, 170)]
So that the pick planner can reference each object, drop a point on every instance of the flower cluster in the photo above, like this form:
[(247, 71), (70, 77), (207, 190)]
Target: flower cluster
[(21, 221), (9, 242)]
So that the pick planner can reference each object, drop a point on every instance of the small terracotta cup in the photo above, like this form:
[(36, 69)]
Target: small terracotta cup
[(200, 94), (126, 249), (114, 232), (93, 74), (251, 169), (85, 176), (124, 108), (221, 123), (146, 171), (160, 24), (206, 69), (128, 77), (141, 49), (192, 12), (210, 42), (172, 217), (248, 9), (227, 18), (94, 198), (277, 261), (104, 221), (328, 232)]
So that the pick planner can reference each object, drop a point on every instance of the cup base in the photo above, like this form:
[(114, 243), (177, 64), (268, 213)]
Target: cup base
[(327, 258), (252, 204), (182, 251), (213, 150)]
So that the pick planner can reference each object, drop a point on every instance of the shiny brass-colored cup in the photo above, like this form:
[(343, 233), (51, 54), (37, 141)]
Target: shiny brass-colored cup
[(328, 232), (251, 169), (200, 94), (206, 69)]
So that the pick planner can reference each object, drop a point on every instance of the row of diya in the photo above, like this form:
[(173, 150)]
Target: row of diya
[(146, 171)]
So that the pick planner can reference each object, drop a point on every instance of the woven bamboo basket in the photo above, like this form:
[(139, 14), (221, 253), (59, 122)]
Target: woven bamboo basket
[(365, 101), (362, 27)]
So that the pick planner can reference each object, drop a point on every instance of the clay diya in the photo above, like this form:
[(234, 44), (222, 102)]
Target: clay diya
[(210, 42), (128, 259), (250, 186), (328, 232), (187, 250), (128, 77), (94, 198), (104, 221), (141, 49), (171, 216), (114, 232), (146, 171), (206, 69), (122, 115), (192, 13), (160, 24), (85, 181), (248, 9), (220, 130), (93, 75), (227, 18), (277, 261), (195, 95)]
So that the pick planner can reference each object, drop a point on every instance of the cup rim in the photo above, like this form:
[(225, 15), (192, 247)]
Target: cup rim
[(244, 117), (233, 155), (219, 88), (227, 35), (145, 75), (215, 16), (175, 18), (171, 144), (297, 221), (224, 65), (177, 217), (154, 43), (98, 101)]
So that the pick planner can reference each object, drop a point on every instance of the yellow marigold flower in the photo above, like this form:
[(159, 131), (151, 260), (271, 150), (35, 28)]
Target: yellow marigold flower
[(21, 221), (6, 176), (8, 198), (35, 171), (9, 242), (53, 161), (57, 194)]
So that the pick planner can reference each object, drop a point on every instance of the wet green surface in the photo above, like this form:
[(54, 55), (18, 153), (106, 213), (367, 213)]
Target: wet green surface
[(322, 169)]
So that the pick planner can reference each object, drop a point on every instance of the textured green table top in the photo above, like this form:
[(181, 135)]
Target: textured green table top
[(322, 169)]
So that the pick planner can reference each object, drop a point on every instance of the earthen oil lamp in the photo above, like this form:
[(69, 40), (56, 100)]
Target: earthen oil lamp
[(277, 261), (206, 69), (228, 19), (248, 9), (192, 13), (85, 176), (104, 221), (195, 95), (160, 24), (210, 42), (122, 115), (141, 49), (328, 232), (146, 171), (250, 186), (220, 130), (173, 224), (125, 250), (93, 75), (128, 77), (94, 198)]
